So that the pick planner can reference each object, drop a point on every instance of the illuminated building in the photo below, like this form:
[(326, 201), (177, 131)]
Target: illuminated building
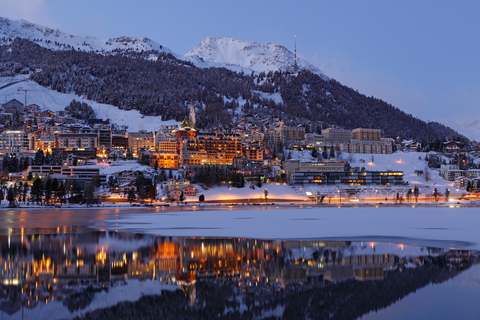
[(292, 166), (167, 146), (184, 132), (253, 151), (381, 146), (141, 140), (349, 178), (76, 140), (12, 142), (167, 160), (45, 144), (119, 141), (367, 134), (211, 148)]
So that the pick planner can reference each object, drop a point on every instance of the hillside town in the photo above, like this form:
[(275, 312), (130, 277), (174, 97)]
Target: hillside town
[(72, 157)]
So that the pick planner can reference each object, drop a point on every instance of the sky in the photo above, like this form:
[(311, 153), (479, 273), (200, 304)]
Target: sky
[(421, 56)]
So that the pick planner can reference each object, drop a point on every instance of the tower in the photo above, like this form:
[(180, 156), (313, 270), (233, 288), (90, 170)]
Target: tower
[(191, 116), (295, 66)]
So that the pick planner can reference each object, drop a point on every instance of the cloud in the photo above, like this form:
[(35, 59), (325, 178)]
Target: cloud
[(35, 11)]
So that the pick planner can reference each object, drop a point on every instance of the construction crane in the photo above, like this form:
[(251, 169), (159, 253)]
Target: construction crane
[(27, 90)]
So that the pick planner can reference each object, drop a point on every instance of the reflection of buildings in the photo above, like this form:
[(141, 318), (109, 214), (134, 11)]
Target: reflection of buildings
[(46, 267)]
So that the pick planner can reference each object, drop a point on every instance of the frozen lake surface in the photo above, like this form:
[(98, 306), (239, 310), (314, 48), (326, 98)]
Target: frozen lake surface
[(447, 226)]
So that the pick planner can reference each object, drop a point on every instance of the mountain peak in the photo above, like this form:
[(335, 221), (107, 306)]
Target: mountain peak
[(57, 40), (247, 55)]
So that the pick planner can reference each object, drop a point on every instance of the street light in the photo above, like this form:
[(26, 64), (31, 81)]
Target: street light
[(376, 197), (340, 194)]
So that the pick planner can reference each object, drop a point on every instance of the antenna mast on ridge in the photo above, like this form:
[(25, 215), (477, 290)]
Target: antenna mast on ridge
[(295, 66)]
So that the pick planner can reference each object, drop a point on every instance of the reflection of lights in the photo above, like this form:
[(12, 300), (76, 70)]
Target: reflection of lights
[(400, 246), (399, 161), (372, 244), (10, 282)]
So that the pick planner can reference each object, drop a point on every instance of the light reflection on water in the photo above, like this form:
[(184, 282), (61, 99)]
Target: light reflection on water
[(67, 272)]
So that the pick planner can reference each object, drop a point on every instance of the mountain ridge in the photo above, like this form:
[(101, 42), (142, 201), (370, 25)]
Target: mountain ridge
[(166, 85), (233, 54), (249, 55), (55, 39)]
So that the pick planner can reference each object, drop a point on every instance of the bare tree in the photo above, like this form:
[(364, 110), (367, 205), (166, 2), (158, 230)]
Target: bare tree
[(427, 174)]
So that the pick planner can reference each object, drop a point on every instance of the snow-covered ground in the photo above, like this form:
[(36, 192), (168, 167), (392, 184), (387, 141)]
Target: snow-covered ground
[(447, 227), (55, 101), (275, 191), (408, 162)]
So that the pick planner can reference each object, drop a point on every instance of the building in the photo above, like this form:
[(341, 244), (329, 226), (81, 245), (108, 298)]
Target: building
[(337, 135), (90, 153), (461, 182), (67, 172), (314, 140), (253, 151), (384, 178), (292, 135), (166, 146), (177, 184), (14, 142), (451, 146), (451, 175), (119, 141), (292, 166), (211, 148), (473, 173), (167, 160), (76, 140), (367, 134), (104, 137), (445, 168), (45, 144), (382, 146), (248, 168), (141, 140), (184, 132), (13, 106)]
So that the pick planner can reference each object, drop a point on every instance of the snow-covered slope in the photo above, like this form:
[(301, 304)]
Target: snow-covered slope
[(58, 40), (470, 129), (56, 101), (250, 56)]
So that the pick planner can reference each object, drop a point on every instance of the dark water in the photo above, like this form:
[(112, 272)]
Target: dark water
[(56, 274)]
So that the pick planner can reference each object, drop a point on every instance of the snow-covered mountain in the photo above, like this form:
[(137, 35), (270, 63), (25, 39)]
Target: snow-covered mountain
[(233, 54), (58, 40), (246, 55), (470, 129)]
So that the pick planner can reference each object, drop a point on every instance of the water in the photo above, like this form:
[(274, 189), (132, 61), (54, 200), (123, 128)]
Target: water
[(60, 274)]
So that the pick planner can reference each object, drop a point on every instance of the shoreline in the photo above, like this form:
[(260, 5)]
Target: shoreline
[(188, 206)]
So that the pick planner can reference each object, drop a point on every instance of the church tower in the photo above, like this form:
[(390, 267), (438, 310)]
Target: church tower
[(191, 116)]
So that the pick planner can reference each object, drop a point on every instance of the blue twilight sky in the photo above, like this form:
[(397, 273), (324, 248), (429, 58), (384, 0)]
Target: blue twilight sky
[(421, 56)]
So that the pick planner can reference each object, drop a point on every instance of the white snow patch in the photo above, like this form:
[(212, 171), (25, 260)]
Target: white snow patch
[(56, 101)]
